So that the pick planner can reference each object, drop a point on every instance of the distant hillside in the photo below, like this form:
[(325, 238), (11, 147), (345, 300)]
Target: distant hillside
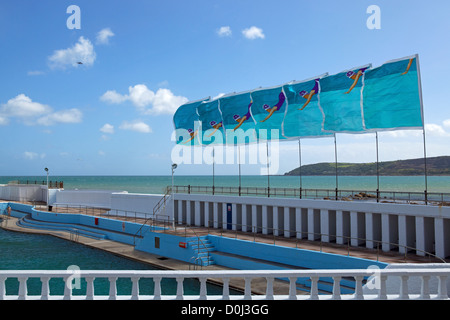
[(412, 167)]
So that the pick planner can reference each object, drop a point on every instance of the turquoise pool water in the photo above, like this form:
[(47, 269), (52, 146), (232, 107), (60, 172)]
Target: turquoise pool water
[(22, 251)]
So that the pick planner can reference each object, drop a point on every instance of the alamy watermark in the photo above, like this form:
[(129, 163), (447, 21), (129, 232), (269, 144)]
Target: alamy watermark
[(374, 20), (234, 147)]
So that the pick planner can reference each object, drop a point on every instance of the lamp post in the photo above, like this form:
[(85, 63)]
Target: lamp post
[(46, 170), (174, 166)]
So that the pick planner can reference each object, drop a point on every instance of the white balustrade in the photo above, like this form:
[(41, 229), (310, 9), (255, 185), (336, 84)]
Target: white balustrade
[(378, 288)]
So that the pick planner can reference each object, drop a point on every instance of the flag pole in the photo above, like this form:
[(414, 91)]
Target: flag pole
[(214, 160), (425, 165), (336, 165), (378, 169), (268, 179), (239, 161), (300, 165)]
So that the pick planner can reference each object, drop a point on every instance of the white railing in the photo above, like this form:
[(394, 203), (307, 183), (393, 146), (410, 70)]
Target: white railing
[(378, 284)]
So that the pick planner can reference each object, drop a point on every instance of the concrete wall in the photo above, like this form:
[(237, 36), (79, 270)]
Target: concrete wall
[(370, 224)]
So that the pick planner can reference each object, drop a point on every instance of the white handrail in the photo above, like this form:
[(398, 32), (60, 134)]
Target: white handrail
[(378, 291)]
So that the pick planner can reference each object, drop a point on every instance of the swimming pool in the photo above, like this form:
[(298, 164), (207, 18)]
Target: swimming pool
[(23, 251)]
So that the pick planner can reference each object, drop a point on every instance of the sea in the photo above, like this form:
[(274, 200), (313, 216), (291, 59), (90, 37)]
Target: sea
[(157, 184)]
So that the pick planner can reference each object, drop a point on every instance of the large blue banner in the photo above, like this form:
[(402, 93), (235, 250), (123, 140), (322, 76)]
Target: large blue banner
[(358, 100)]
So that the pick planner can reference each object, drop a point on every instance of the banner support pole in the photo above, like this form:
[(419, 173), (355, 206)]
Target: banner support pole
[(336, 165), (268, 178), (300, 165), (214, 160), (239, 161), (378, 169), (425, 165)]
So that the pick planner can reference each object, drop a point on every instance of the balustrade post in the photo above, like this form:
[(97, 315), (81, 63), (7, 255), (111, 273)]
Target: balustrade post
[(135, 288), (45, 290), (226, 288), (269, 289), (89, 288), (292, 288), (382, 290), (180, 288), (112, 288), (314, 295), (358, 288), (425, 290), (336, 288), (248, 288), (442, 290), (203, 292), (2, 288), (404, 287), (157, 290)]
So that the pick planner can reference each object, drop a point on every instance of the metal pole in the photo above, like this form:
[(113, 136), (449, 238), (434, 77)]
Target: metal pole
[(378, 169), (213, 172), (239, 162), (425, 166), (268, 179), (336, 165), (300, 165)]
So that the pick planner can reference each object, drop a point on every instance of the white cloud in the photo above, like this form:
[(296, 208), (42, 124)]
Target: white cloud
[(3, 121), (33, 155), (253, 33), (35, 73), (224, 31), (137, 126), (435, 130), (107, 128), (140, 95), (111, 96), (147, 101), (23, 107), (104, 35), (82, 51), (64, 116), (446, 123)]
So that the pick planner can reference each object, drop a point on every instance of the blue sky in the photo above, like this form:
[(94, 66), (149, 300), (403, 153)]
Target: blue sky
[(112, 115)]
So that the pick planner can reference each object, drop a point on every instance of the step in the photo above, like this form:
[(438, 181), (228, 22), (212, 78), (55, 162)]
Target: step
[(325, 285), (35, 224)]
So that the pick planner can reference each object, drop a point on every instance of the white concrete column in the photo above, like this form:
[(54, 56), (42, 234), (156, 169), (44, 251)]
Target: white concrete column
[(265, 224), (339, 227), (234, 216), (324, 225), (354, 228), (369, 230), (245, 219), (357, 228), (224, 215), (180, 212), (420, 236), (298, 223), (188, 212), (289, 226), (254, 219), (206, 215), (311, 224), (402, 234), (215, 215), (386, 234), (439, 237), (197, 213), (276, 221)]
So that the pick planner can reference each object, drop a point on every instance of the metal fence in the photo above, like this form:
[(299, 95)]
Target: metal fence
[(432, 198)]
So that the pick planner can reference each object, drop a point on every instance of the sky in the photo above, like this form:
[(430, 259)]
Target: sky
[(141, 60)]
